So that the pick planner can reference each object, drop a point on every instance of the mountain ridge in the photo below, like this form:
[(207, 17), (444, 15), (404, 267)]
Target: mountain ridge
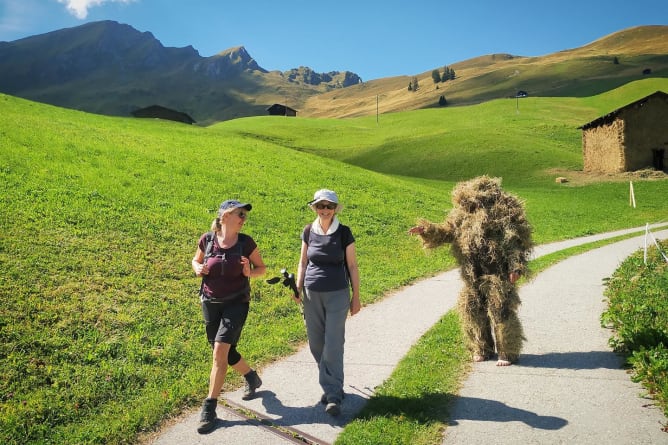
[(111, 68)]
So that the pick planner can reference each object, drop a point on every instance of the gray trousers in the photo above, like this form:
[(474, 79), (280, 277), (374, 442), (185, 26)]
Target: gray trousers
[(325, 314)]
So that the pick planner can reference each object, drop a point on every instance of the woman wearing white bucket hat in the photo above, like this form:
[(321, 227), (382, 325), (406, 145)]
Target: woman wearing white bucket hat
[(326, 272)]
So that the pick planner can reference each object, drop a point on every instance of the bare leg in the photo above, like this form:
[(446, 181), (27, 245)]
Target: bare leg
[(218, 369), (242, 367)]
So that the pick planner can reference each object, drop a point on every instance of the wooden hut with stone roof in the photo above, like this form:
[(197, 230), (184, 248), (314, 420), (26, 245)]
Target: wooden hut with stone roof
[(630, 138)]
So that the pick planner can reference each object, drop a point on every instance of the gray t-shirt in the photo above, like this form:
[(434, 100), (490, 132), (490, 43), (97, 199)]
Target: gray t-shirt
[(326, 270)]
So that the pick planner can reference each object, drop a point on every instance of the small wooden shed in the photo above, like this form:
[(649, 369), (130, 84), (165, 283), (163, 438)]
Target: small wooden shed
[(160, 112), (281, 110), (630, 138)]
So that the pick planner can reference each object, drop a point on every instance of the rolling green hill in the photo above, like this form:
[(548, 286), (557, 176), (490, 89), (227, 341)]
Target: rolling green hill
[(100, 330), (522, 140)]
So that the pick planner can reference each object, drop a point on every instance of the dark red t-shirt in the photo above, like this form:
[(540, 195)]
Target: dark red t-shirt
[(226, 280)]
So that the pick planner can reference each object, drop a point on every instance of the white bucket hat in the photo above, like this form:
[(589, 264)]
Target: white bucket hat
[(325, 195)]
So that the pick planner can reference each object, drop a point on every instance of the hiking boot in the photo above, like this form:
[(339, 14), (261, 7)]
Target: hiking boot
[(253, 382), (333, 408), (323, 398), (207, 419)]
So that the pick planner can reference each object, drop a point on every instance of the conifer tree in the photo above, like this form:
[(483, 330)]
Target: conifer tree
[(446, 74)]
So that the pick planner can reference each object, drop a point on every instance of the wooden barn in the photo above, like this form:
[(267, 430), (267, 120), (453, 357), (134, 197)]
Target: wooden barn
[(160, 112), (281, 110), (630, 138)]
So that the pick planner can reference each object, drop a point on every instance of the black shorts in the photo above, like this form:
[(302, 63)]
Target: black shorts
[(224, 321)]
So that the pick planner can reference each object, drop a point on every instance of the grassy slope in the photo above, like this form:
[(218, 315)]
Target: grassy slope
[(578, 72), (521, 141), (100, 217)]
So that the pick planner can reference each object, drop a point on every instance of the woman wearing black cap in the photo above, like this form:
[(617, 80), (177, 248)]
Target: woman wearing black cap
[(226, 259)]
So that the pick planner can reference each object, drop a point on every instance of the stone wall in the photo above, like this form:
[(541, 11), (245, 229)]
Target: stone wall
[(603, 148), (626, 141)]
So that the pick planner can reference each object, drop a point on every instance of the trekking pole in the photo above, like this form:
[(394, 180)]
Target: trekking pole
[(288, 281)]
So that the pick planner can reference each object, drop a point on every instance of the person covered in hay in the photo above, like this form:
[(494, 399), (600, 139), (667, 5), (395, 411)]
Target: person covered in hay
[(490, 238)]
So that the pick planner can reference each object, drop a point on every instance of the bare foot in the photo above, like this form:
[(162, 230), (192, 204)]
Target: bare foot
[(479, 358), (503, 360)]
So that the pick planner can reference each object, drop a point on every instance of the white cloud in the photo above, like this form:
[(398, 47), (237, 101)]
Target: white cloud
[(79, 8)]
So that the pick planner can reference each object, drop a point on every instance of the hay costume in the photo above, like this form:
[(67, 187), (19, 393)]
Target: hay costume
[(490, 238)]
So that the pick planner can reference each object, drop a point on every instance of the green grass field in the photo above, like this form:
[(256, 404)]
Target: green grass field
[(101, 336)]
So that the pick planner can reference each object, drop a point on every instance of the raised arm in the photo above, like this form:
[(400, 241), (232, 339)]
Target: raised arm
[(433, 235)]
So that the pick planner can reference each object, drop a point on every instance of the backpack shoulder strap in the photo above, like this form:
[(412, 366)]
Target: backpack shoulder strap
[(241, 242), (207, 254), (210, 236), (209, 245), (307, 231), (346, 236)]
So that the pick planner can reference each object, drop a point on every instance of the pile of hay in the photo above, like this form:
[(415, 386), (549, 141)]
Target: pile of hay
[(487, 227), (490, 238)]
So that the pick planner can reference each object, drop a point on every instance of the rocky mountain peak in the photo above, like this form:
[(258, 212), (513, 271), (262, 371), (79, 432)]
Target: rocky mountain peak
[(337, 79)]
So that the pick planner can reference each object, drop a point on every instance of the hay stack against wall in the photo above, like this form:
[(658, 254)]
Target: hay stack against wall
[(629, 138)]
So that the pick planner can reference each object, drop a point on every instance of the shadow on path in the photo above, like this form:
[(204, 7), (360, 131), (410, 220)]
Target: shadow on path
[(439, 407), (473, 408), (573, 360), (315, 413)]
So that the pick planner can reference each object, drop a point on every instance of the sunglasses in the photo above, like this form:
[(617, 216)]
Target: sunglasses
[(241, 214), (330, 206)]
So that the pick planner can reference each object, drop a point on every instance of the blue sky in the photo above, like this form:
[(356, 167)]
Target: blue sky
[(373, 38)]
